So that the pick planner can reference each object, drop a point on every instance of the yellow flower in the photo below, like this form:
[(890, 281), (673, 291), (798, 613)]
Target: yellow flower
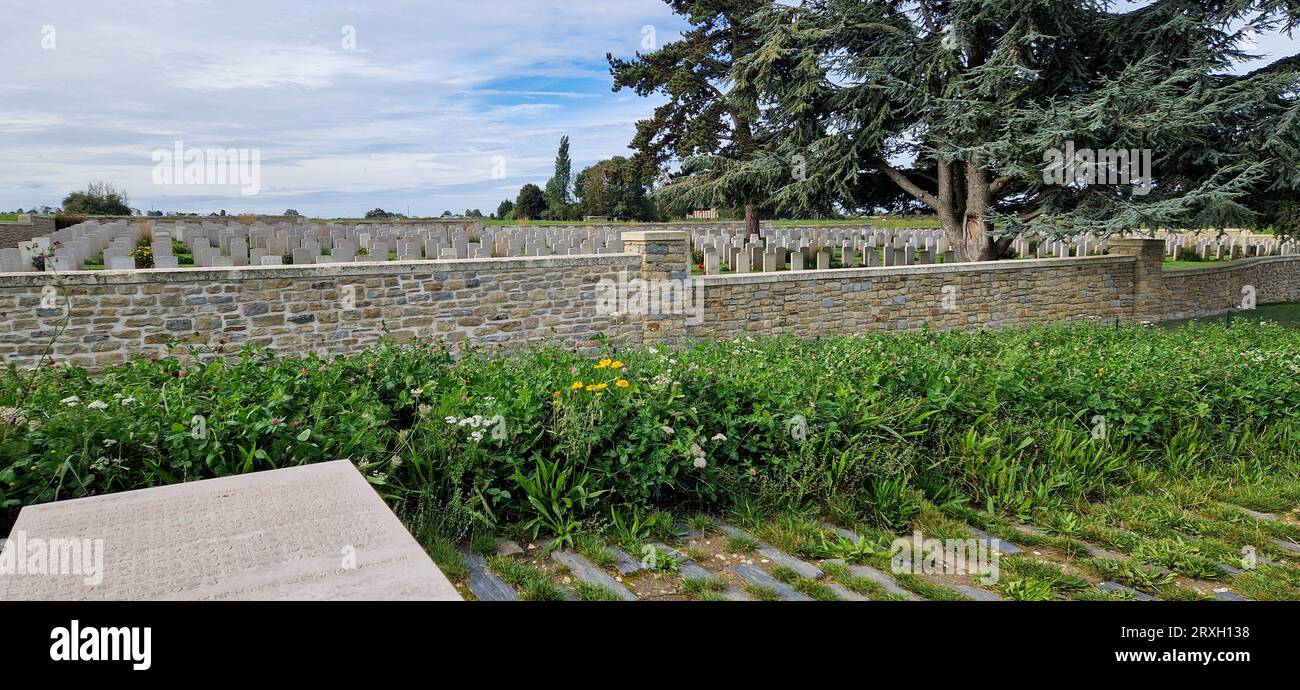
[(601, 386), (576, 385), (604, 363), (616, 365), (591, 388), (599, 394), (622, 383), (557, 394)]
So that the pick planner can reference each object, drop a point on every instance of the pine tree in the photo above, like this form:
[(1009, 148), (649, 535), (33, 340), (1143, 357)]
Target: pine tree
[(964, 106), (705, 125)]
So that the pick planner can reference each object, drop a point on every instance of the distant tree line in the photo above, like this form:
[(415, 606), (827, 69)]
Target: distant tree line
[(613, 188)]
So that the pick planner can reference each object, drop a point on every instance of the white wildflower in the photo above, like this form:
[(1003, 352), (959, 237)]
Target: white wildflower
[(70, 401), (98, 405), (700, 462)]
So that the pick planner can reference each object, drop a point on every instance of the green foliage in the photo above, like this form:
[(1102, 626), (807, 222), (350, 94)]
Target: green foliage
[(530, 203), (700, 588), (449, 560), (99, 199), (590, 591), (994, 420), (531, 583)]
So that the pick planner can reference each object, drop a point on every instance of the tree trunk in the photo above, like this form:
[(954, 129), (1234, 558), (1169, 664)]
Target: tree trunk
[(751, 219)]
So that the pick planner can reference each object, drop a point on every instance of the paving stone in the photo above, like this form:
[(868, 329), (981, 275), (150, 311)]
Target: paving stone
[(977, 593), (311, 532), (685, 533), (757, 576), (587, 571), (879, 577), (1006, 548), (685, 566), (775, 555), (1258, 515), (484, 583), (1287, 546), (845, 593), (506, 547), (626, 564), (1116, 587), (852, 536), (1228, 595), (733, 593)]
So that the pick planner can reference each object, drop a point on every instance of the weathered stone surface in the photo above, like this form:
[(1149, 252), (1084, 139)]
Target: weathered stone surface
[(484, 583), (587, 571), (1228, 595), (314, 532), (845, 593), (885, 581), (506, 547), (977, 593), (1006, 548), (774, 554), (685, 567), (1258, 515), (1287, 546), (625, 564), (757, 576), (1116, 587)]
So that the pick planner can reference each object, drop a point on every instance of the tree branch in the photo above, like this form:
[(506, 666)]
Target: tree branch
[(908, 186)]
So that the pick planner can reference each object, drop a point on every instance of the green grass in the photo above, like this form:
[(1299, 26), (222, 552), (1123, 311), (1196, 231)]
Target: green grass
[(8, 217), (804, 585), (700, 588), (741, 544), (864, 586), (532, 584), (762, 592), (590, 591), (449, 560), (1283, 313), (594, 549)]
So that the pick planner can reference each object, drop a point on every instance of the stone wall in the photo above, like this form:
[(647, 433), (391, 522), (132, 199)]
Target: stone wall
[(510, 303), (940, 296), (1217, 288), (25, 228), (334, 309)]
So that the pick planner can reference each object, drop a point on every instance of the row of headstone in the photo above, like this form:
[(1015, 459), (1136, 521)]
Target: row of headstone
[(1228, 246)]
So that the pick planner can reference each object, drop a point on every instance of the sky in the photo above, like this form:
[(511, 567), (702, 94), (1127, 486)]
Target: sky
[(414, 107), (411, 106)]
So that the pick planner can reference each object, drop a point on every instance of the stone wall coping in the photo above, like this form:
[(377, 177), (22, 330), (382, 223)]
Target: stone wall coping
[(1227, 266), (655, 235), (313, 272), (915, 270)]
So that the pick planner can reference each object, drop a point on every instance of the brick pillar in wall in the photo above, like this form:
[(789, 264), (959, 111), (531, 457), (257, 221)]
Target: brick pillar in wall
[(1148, 274), (674, 297)]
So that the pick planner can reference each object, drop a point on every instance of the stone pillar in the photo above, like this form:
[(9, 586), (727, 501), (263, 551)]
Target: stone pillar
[(1148, 274), (674, 298)]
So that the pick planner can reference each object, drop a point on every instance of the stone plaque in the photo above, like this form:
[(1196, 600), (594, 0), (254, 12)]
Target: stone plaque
[(313, 532)]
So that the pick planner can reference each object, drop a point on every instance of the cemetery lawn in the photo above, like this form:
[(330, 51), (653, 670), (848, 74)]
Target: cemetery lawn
[(8, 217), (1123, 461)]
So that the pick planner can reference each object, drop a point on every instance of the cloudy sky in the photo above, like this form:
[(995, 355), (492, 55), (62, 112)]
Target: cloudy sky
[(415, 106), (440, 105)]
